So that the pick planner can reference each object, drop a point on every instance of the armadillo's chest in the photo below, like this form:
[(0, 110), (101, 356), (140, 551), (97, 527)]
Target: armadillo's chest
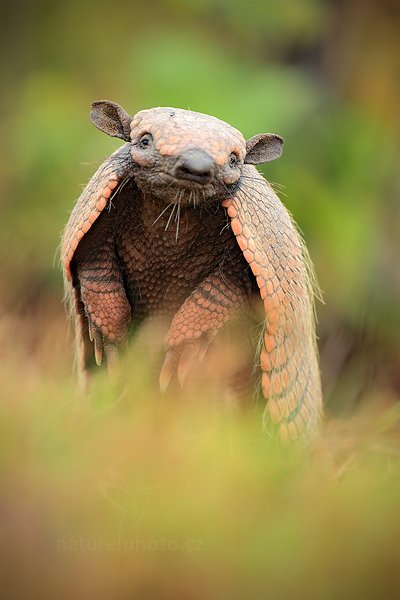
[(165, 256)]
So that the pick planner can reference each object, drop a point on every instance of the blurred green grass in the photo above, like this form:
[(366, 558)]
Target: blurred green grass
[(128, 494)]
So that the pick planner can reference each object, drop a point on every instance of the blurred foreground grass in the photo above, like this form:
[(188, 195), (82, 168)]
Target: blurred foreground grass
[(130, 494)]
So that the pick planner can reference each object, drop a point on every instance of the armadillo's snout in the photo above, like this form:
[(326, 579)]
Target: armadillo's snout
[(194, 165)]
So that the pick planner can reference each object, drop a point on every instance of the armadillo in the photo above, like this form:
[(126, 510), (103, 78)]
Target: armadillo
[(178, 222)]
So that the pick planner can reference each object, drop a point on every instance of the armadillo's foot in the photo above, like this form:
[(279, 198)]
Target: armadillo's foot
[(181, 358), (103, 346), (197, 322)]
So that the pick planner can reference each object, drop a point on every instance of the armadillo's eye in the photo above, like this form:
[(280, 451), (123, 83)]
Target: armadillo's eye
[(233, 160), (145, 141)]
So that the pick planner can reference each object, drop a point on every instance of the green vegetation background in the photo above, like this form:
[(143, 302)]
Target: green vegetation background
[(325, 75)]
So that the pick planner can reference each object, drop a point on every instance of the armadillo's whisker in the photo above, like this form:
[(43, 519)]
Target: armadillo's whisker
[(178, 212), (224, 227), (162, 212), (117, 191), (172, 212), (273, 183), (177, 202), (277, 187)]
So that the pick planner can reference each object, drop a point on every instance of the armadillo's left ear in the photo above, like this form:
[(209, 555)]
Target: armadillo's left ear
[(263, 148), (111, 118)]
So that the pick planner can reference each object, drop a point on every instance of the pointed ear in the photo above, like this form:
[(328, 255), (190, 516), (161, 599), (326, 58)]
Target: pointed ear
[(263, 148), (111, 118)]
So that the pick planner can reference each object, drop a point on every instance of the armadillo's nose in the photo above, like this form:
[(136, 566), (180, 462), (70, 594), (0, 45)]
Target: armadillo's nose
[(195, 165)]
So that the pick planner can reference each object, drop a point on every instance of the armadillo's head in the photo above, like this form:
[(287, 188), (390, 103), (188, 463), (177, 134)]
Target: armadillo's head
[(183, 155)]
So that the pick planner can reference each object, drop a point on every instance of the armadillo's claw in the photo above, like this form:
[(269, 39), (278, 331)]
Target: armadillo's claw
[(168, 368), (98, 354), (113, 362), (189, 353), (98, 346), (181, 359), (101, 347), (205, 342)]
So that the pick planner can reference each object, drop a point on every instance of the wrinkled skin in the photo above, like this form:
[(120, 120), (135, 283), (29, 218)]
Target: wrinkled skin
[(190, 230)]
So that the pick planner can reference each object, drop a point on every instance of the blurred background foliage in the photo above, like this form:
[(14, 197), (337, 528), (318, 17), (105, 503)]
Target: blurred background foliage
[(325, 74)]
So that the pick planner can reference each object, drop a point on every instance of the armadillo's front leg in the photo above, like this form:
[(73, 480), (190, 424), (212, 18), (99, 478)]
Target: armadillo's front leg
[(198, 321), (106, 305), (274, 250)]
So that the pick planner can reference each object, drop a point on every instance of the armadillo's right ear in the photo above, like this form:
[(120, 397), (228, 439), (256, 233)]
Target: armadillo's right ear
[(111, 118), (263, 148)]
